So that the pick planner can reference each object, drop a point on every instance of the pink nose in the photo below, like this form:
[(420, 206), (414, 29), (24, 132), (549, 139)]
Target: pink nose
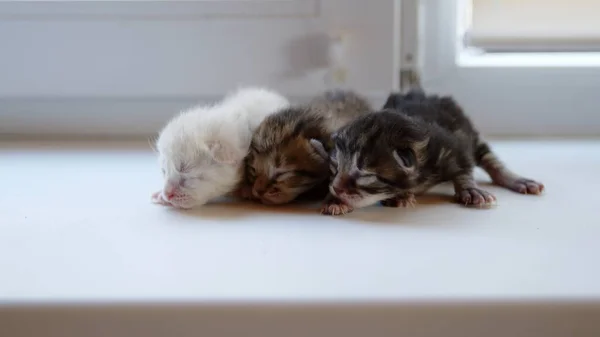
[(170, 192)]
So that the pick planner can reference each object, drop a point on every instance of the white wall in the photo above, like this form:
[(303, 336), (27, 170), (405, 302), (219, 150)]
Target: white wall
[(125, 67)]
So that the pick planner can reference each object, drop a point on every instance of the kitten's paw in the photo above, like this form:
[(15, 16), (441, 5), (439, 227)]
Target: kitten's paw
[(477, 197), (335, 207), (526, 186), (158, 199), (400, 201)]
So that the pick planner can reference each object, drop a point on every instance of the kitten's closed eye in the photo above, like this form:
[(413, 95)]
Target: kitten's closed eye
[(187, 181), (367, 179), (404, 157), (251, 171), (295, 173), (284, 176)]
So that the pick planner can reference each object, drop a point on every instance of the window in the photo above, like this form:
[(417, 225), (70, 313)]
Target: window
[(510, 91), (533, 25), (110, 67)]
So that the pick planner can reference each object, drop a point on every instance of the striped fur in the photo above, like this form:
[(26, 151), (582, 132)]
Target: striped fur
[(414, 143), (289, 150)]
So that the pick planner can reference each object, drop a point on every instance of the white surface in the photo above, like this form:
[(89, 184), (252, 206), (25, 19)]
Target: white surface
[(76, 224), (84, 253), (126, 67), (538, 97)]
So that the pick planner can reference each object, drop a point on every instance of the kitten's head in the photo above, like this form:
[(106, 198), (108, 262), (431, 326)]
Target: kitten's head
[(287, 156), (376, 157), (200, 160)]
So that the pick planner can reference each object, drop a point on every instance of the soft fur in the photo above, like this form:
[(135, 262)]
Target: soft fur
[(201, 151), (289, 151), (416, 142)]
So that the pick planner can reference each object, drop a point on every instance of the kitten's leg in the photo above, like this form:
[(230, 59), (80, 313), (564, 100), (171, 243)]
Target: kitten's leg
[(403, 200), (467, 192), (501, 175), (334, 206)]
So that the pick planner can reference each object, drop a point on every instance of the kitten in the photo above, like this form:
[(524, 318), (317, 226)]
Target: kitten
[(413, 144), (202, 150), (289, 151)]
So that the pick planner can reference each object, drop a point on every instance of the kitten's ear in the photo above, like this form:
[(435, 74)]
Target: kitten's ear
[(319, 148), (224, 153), (405, 158)]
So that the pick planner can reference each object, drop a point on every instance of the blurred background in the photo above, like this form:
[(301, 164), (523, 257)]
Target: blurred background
[(525, 68), (79, 236)]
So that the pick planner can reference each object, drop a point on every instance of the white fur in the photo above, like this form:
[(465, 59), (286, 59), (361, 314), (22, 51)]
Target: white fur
[(201, 151)]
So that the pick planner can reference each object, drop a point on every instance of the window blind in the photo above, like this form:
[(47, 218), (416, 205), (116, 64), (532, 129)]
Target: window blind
[(535, 25)]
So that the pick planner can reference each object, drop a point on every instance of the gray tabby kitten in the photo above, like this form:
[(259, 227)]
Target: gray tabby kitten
[(289, 150), (415, 142)]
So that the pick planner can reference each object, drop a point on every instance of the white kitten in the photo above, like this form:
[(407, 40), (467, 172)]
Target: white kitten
[(202, 150)]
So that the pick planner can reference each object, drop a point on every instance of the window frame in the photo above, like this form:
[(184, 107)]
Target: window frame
[(516, 94)]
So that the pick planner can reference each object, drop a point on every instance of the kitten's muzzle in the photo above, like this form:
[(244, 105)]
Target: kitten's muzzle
[(170, 192), (262, 187), (338, 190), (173, 194), (344, 185), (269, 196)]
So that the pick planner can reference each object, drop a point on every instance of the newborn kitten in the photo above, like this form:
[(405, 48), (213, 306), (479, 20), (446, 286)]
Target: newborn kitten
[(288, 155), (416, 142), (202, 150)]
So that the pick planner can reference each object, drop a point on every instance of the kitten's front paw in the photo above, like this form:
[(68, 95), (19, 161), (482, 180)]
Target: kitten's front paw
[(526, 186), (474, 196), (400, 201), (336, 207), (157, 198)]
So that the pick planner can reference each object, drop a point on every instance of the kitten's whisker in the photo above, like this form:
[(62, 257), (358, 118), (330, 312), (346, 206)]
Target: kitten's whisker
[(152, 143)]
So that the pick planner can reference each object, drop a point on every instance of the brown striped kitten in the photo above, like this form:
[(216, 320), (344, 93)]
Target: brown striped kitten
[(413, 144), (289, 150)]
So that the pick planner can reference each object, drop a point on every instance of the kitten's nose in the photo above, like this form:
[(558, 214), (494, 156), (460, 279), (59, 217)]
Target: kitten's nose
[(337, 190), (346, 182), (170, 193), (260, 187), (272, 191)]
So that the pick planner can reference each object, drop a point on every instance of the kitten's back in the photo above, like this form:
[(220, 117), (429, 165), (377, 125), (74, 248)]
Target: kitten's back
[(441, 110), (339, 107), (252, 105)]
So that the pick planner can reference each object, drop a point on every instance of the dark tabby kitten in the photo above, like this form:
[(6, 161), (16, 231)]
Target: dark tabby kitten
[(414, 143), (289, 150)]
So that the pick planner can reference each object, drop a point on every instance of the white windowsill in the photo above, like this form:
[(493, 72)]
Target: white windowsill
[(473, 58), (77, 226)]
